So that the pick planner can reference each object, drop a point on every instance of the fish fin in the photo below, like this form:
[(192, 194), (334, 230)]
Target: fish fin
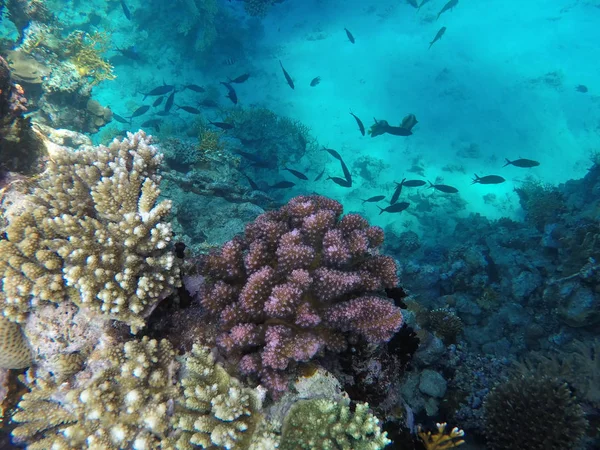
[(508, 162), (430, 184), (381, 209)]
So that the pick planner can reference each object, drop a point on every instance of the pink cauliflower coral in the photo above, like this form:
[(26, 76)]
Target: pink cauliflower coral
[(300, 281)]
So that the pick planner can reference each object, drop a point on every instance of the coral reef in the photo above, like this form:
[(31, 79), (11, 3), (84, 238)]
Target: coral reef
[(258, 7), (325, 424), (295, 284), (91, 232), (14, 350), (441, 440), (535, 413), (85, 51)]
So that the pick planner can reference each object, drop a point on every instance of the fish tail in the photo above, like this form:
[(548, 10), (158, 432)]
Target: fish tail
[(508, 162), (430, 184), (476, 179), (381, 210)]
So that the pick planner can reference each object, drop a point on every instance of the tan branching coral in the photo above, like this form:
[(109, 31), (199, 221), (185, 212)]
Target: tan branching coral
[(91, 232), (14, 351), (442, 439), (85, 51)]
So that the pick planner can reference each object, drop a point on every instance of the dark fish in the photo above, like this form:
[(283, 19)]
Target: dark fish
[(395, 208), (414, 183), (333, 153), (158, 101), (223, 125), (488, 179), (289, 80), (240, 79), (194, 87), (120, 119), (398, 131), (521, 162), (160, 90), (377, 198), (169, 103), (581, 88), (283, 185), (413, 3), (382, 126), (190, 109), (438, 36), (251, 182), (296, 173), (229, 62), (152, 123), (179, 249), (361, 127), (141, 110), (162, 113), (397, 294), (315, 81), (397, 192), (129, 53), (208, 103), (126, 10), (447, 7), (342, 182), (443, 188), (318, 177), (231, 94), (347, 173), (350, 37), (409, 122)]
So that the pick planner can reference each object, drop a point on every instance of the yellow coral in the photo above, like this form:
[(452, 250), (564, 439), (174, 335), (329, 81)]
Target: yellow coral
[(85, 52), (441, 440), (210, 144)]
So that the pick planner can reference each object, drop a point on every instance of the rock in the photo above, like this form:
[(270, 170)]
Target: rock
[(432, 383)]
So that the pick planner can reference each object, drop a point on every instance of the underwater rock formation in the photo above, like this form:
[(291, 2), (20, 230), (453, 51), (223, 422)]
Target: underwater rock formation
[(295, 284)]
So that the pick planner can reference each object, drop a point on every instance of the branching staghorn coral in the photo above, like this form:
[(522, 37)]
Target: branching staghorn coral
[(322, 424), (91, 232), (85, 50), (295, 284)]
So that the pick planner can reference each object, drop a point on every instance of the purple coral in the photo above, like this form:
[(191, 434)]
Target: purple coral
[(301, 280)]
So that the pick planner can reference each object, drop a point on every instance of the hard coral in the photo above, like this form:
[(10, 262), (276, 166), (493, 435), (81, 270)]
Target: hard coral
[(92, 232), (295, 284), (533, 412)]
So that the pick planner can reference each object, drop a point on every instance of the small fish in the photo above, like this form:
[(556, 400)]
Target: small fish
[(169, 103), (120, 119), (152, 123), (333, 153), (296, 173), (447, 7), (437, 37), (347, 173), (375, 199), (315, 81), (443, 188), (350, 37), (240, 79), (231, 94), (581, 88), (413, 3), (194, 87), (209, 103), (126, 10), (162, 113), (395, 208), (283, 185), (190, 109), (361, 127), (318, 177), (158, 101), (179, 249), (251, 182), (289, 80), (409, 121), (397, 192), (141, 110), (229, 62), (223, 125), (414, 183), (160, 90), (521, 162), (341, 181), (129, 53), (488, 179)]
